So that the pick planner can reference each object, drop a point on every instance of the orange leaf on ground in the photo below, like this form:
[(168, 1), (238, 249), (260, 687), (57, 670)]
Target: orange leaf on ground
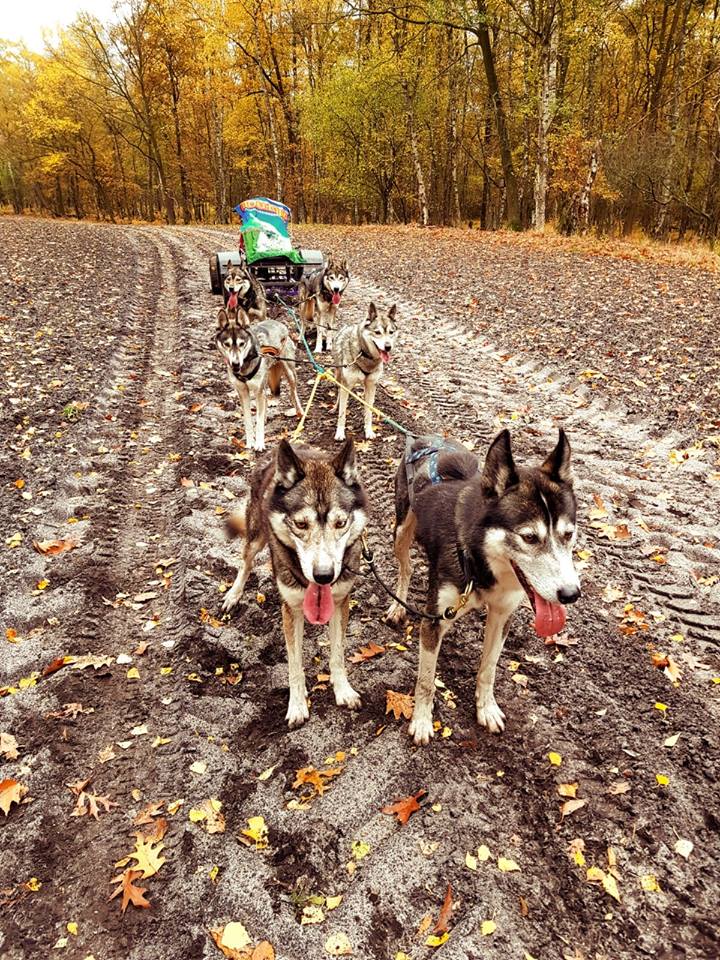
[(11, 791), (400, 704), (442, 923), (130, 893), (365, 653), (53, 547), (403, 809)]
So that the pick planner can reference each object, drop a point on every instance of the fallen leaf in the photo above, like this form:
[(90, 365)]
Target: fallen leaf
[(403, 809), (662, 780), (672, 740), (53, 547), (483, 853), (555, 759), (567, 789), (199, 767), (338, 945), (257, 831), (365, 653), (11, 791), (147, 857), (8, 746), (650, 883), (312, 913), (570, 806), (444, 917), (400, 704), (233, 940), (471, 861), (684, 848), (130, 893), (507, 866), (619, 787), (317, 780), (610, 886), (487, 927), (146, 815), (434, 941)]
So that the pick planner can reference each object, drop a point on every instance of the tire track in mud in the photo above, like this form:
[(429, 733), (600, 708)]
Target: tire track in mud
[(470, 388)]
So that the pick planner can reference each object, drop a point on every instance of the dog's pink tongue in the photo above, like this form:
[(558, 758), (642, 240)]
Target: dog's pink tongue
[(318, 604), (232, 301), (549, 617), (385, 356), (336, 298)]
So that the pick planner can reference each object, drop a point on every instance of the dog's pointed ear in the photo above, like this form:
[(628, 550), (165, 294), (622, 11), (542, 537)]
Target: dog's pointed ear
[(371, 314), (288, 466), (223, 319), (344, 264), (499, 472), (392, 311), (345, 464), (557, 466)]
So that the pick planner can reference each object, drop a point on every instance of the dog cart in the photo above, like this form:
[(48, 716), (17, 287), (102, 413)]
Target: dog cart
[(266, 249)]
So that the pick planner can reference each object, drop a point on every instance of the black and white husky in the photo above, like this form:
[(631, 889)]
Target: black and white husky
[(319, 296), (311, 508), (497, 535), (257, 357), (244, 294), (360, 353)]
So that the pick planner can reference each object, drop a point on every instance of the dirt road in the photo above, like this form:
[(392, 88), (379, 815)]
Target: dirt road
[(118, 430)]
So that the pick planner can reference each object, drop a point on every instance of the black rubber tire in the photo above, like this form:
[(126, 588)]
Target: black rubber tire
[(215, 279)]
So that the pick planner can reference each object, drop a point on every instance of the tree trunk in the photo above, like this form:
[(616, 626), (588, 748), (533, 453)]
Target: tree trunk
[(545, 116), (512, 205)]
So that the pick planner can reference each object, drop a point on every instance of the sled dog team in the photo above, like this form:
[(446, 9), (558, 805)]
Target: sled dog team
[(493, 534)]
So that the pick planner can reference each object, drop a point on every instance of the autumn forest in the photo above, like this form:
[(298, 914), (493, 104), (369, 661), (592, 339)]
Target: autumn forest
[(588, 114)]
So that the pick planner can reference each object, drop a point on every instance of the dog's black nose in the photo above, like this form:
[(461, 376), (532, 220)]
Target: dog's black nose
[(323, 576), (236, 368), (568, 594)]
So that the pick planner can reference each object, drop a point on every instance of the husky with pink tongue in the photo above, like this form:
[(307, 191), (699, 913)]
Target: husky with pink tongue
[(497, 536), (310, 508)]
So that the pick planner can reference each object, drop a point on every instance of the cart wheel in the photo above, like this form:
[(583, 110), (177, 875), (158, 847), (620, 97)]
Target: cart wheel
[(215, 279)]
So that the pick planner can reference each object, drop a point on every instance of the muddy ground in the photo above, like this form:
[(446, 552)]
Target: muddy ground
[(117, 417)]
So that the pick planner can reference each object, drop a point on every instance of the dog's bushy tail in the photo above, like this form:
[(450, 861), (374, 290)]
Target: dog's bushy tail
[(236, 524), (274, 377)]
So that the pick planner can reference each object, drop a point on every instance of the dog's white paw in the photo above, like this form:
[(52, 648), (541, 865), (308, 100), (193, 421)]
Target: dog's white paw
[(370, 434), (421, 728), (297, 712), (346, 696), (231, 599), (259, 445), (490, 716), (395, 615), (339, 434)]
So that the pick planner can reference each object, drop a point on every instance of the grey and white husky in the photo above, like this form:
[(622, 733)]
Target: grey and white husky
[(257, 357), (361, 350), (319, 295), (244, 295), (499, 534), (311, 509)]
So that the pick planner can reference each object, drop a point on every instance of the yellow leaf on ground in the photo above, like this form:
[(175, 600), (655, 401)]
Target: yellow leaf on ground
[(554, 758), (332, 903), (507, 866), (234, 936), (483, 853), (649, 882), (662, 780), (312, 913), (257, 831), (610, 886), (671, 741), (471, 861), (487, 927), (567, 789), (72, 928), (436, 941), (133, 673)]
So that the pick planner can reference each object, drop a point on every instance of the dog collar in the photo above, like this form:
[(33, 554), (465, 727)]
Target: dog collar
[(243, 376)]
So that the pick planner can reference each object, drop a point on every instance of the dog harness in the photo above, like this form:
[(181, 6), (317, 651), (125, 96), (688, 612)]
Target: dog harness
[(414, 460)]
